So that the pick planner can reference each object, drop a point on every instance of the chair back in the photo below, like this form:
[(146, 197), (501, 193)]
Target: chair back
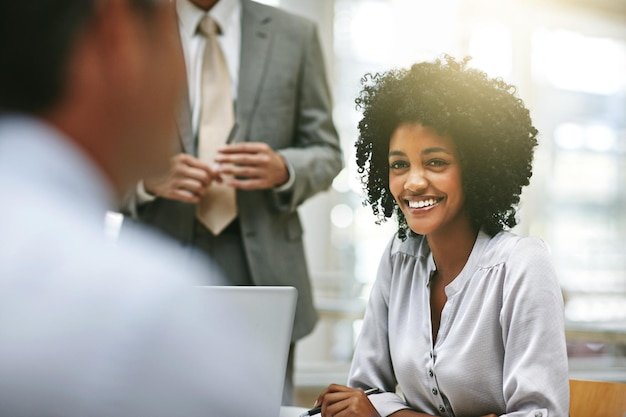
[(597, 399)]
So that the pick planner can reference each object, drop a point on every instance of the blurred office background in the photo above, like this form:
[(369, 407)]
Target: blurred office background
[(568, 58)]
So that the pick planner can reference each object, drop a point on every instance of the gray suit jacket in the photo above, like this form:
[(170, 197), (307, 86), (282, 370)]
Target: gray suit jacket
[(283, 100)]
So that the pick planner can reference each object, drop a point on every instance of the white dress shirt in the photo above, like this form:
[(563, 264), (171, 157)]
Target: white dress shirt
[(91, 326), (500, 346)]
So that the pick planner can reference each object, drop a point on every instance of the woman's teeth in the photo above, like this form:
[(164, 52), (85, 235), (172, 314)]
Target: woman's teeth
[(422, 203)]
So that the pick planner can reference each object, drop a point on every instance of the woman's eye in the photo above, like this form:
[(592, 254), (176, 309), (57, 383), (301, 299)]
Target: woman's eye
[(398, 164), (437, 163)]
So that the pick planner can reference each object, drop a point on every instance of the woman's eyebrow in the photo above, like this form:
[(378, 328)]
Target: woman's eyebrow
[(426, 151), (435, 150)]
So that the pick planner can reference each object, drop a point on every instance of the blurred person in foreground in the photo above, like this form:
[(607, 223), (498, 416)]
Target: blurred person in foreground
[(88, 326), (260, 69), (465, 318)]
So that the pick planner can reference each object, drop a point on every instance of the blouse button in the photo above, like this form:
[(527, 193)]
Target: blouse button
[(442, 409), (431, 373), (538, 414), (435, 392)]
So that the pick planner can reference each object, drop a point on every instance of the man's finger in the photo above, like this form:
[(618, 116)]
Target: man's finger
[(185, 196), (244, 147), (200, 175), (247, 184), (242, 159), (193, 162), (241, 172), (193, 186)]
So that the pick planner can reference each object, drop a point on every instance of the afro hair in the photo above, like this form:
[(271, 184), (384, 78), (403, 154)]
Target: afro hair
[(488, 123)]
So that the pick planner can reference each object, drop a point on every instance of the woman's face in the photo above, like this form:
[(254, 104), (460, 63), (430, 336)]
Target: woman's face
[(425, 180)]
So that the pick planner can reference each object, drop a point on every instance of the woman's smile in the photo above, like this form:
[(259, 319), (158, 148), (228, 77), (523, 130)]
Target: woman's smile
[(422, 204)]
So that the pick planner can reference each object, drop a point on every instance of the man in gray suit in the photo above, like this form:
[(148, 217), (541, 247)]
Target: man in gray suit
[(285, 148)]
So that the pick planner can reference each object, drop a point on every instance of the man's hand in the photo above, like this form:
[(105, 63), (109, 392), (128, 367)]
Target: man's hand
[(251, 166), (186, 180), (341, 401)]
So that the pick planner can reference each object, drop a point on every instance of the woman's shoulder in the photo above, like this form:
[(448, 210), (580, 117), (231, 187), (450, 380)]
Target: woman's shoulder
[(413, 245), (508, 247)]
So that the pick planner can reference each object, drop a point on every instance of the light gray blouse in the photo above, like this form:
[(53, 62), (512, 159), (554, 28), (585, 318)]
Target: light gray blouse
[(500, 346)]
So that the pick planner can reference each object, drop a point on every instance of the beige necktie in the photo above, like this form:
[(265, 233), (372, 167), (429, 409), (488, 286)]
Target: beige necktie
[(218, 207)]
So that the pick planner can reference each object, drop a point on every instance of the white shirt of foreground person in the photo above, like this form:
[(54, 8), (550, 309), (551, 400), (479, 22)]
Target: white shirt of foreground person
[(501, 344), (89, 326)]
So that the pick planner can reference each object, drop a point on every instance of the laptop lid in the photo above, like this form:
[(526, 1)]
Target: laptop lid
[(258, 321)]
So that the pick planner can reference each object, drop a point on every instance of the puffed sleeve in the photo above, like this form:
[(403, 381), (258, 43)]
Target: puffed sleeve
[(371, 365), (535, 371)]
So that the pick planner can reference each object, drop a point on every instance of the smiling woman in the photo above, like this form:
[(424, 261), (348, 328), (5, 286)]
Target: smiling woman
[(461, 311), (491, 129)]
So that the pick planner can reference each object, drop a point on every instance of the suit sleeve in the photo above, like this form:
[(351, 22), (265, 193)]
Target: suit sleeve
[(315, 154)]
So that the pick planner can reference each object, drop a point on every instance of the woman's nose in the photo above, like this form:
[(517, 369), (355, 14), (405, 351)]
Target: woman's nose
[(416, 181)]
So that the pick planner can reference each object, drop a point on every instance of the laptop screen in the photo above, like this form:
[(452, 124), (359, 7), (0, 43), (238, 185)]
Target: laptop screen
[(258, 322)]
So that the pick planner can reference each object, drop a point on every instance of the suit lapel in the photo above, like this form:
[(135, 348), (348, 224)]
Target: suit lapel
[(185, 129), (256, 40), (184, 116)]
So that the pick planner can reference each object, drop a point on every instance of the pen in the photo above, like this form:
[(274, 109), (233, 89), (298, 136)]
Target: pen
[(318, 410)]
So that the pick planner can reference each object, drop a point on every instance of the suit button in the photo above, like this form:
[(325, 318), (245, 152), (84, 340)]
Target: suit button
[(442, 409), (431, 373), (538, 414), (435, 392)]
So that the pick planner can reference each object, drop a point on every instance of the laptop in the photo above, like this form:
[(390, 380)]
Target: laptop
[(258, 321)]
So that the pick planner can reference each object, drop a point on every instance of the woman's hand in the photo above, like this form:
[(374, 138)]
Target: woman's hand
[(341, 401)]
